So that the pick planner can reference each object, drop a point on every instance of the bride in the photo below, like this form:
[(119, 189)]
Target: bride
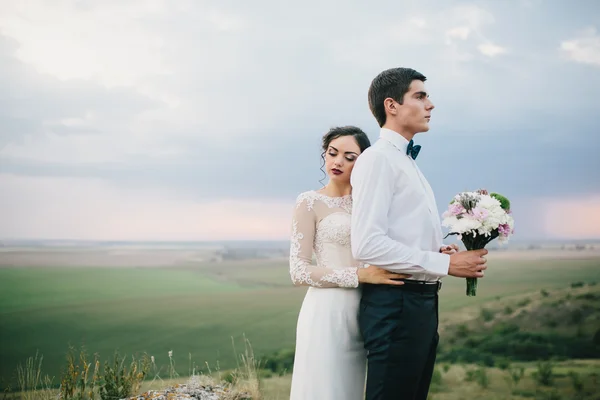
[(330, 360)]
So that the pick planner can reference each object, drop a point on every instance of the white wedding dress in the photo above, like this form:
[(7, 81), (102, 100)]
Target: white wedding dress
[(330, 361)]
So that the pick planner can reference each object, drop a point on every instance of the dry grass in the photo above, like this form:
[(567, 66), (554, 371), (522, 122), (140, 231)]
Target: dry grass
[(33, 385), (246, 377), (455, 382), (122, 380)]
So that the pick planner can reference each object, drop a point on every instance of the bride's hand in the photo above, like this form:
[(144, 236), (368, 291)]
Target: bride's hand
[(451, 249), (376, 275)]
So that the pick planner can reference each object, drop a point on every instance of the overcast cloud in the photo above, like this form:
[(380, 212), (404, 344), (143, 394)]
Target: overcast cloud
[(197, 120)]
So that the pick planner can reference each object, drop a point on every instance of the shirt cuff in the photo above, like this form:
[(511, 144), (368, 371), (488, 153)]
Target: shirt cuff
[(438, 264)]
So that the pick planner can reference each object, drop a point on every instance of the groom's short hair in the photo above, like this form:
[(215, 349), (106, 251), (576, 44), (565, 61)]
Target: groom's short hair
[(393, 83)]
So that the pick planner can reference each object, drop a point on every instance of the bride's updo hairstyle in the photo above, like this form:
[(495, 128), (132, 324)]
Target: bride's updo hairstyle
[(361, 139)]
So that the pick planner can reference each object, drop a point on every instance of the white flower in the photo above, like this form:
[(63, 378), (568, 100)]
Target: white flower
[(449, 221), (170, 353), (152, 359), (462, 225), (488, 202), (492, 222)]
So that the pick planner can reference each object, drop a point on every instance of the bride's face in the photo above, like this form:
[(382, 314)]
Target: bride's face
[(340, 157)]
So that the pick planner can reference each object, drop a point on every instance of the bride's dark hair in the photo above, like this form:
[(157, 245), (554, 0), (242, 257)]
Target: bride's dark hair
[(361, 139)]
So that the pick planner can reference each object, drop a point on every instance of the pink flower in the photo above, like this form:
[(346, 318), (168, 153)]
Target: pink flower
[(504, 230), (480, 214), (456, 209)]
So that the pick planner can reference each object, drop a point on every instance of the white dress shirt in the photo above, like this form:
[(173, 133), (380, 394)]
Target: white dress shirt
[(395, 220)]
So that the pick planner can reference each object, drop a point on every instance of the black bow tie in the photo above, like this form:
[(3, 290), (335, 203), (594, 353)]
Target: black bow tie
[(413, 150)]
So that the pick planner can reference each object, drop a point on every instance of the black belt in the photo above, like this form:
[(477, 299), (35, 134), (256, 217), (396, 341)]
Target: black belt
[(421, 286)]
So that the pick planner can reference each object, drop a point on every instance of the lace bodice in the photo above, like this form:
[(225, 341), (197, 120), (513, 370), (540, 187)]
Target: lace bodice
[(321, 224)]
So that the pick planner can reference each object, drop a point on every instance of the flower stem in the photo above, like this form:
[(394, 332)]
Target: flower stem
[(475, 243), (471, 286)]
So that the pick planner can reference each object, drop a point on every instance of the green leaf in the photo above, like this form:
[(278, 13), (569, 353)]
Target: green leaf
[(504, 202)]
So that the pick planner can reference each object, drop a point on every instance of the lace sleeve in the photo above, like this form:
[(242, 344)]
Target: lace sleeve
[(302, 272)]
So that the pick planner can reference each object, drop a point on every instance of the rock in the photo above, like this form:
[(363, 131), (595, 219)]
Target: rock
[(194, 389)]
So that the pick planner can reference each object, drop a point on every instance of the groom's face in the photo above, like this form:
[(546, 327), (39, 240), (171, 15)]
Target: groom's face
[(415, 112)]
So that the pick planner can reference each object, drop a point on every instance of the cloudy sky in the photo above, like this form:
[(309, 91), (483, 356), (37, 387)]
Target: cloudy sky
[(195, 120)]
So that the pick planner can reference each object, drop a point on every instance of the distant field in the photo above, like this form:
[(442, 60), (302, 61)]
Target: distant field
[(198, 309), (31, 289), (151, 310), (247, 273)]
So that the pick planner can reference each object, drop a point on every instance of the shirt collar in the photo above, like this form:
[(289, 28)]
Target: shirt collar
[(394, 138)]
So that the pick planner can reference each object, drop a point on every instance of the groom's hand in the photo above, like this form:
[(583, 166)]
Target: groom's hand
[(468, 264)]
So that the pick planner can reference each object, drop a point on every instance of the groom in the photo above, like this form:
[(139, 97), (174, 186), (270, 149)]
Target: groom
[(396, 226)]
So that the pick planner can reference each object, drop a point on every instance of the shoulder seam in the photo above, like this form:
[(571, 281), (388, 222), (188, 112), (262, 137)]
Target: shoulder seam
[(308, 196)]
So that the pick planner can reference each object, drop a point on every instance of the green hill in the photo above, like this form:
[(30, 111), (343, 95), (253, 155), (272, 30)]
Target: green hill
[(549, 324)]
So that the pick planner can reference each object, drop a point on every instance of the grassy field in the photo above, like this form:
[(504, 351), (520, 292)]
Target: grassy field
[(180, 311), (454, 383), (197, 310)]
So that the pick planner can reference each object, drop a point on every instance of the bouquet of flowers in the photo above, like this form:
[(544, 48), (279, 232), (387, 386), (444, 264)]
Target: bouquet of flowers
[(477, 218)]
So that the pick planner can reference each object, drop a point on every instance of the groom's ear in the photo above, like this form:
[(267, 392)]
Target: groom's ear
[(391, 107)]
